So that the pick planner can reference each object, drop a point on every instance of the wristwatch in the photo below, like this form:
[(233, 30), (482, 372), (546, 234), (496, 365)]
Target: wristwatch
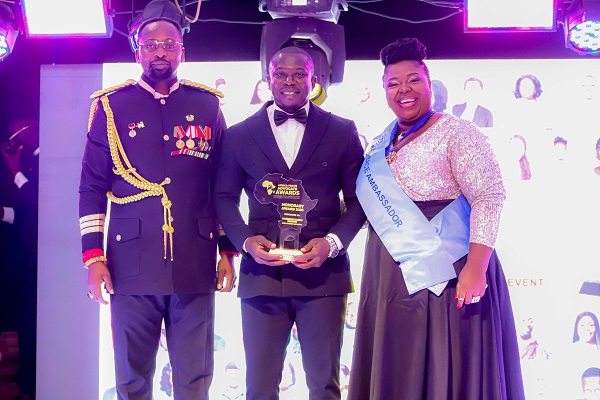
[(333, 248)]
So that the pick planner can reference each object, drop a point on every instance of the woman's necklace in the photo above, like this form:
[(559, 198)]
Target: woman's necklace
[(392, 149), (399, 137)]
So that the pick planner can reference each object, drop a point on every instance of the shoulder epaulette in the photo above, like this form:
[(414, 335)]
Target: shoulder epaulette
[(99, 93), (102, 92), (202, 87)]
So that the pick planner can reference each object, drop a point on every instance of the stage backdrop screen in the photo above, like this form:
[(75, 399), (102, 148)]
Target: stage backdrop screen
[(541, 118)]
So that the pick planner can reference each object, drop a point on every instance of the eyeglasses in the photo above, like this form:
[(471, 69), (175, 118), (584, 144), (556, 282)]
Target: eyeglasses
[(168, 45)]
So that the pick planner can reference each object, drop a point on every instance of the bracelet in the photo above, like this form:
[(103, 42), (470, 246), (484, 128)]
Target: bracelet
[(91, 253), (333, 248), (92, 260)]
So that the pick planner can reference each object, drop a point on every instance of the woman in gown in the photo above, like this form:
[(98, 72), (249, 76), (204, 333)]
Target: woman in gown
[(445, 331)]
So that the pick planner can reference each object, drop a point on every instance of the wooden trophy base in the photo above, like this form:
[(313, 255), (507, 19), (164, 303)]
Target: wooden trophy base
[(288, 254)]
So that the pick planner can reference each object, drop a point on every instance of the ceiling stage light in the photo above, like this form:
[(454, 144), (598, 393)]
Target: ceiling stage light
[(311, 26), (61, 18), (582, 26), (322, 40), (8, 33), (328, 10)]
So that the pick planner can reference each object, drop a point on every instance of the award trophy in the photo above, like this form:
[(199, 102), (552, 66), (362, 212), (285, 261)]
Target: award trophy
[(292, 204)]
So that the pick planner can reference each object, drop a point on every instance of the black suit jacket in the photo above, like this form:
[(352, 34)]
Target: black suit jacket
[(328, 163), (26, 217)]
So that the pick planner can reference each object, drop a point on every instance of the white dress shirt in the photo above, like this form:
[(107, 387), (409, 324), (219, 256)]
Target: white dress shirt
[(287, 135)]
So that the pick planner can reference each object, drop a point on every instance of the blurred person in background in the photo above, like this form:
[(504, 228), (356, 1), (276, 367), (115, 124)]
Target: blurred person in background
[(21, 156)]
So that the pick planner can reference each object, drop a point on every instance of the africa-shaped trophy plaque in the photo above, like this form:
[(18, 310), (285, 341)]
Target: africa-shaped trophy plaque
[(292, 204)]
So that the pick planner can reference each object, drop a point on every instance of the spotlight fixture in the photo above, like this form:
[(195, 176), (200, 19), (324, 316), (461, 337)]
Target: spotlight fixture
[(322, 40), (311, 26), (8, 32), (328, 10), (581, 23)]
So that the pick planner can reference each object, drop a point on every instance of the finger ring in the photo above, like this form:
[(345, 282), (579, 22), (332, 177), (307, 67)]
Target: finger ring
[(461, 299), (475, 299), (90, 295)]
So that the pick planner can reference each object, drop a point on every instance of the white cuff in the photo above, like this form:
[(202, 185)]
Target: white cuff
[(9, 215), (20, 179)]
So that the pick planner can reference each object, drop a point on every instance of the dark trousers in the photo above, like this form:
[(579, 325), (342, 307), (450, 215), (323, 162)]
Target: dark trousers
[(267, 323), (26, 375), (136, 327)]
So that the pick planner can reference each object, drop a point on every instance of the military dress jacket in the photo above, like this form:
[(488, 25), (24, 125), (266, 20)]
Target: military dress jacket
[(175, 142)]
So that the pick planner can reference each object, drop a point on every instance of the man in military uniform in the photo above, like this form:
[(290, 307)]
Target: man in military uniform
[(152, 149)]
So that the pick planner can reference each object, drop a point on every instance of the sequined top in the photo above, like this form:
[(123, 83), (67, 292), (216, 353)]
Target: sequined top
[(450, 158)]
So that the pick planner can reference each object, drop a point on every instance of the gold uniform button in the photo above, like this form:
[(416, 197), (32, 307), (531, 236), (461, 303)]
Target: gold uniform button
[(163, 102), (166, 137), (118, 237), (211, 235), (167, 180)]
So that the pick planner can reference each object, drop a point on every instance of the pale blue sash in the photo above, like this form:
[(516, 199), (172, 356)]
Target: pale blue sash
[(425, 249)]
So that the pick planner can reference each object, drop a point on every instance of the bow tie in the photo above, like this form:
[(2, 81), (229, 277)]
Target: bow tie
[(280, 117)]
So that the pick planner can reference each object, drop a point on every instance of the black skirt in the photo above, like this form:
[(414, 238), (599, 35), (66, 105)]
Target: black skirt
[(421, 347)]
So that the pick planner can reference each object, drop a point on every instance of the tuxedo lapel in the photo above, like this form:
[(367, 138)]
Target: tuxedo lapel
[(315, 129), (260, 130)]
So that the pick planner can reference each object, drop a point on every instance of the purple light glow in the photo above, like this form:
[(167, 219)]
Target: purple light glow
[(7, 42), (3, 46), (585, 37), (507, 15)]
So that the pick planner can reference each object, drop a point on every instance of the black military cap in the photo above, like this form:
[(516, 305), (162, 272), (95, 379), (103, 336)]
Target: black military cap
[(157, 10)]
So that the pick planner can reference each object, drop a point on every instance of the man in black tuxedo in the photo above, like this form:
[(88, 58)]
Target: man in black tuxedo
[(324, 157)]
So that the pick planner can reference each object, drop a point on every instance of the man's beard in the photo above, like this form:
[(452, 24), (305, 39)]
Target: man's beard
[(160, 75)]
